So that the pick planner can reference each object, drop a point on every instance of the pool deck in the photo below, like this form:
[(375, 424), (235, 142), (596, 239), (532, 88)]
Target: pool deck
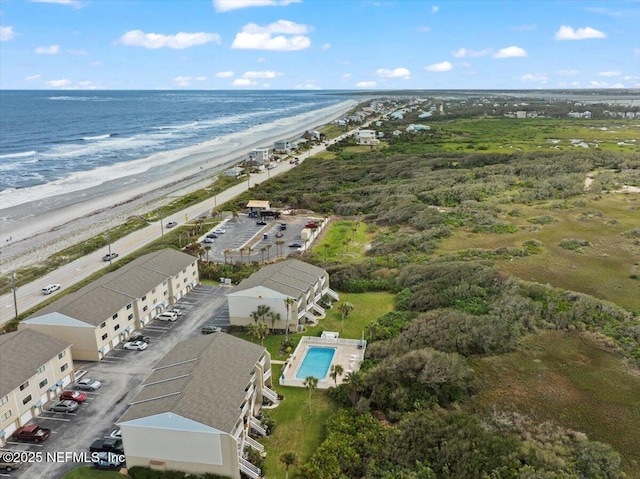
[(347, 355)]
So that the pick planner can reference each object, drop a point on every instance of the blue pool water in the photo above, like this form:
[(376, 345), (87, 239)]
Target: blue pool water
[(316, 363)]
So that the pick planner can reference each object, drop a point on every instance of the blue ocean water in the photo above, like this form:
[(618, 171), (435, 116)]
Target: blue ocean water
[(47, 136)]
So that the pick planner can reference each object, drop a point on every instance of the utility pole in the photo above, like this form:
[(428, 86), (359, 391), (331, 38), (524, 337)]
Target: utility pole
[(161, 228), (15, 297)]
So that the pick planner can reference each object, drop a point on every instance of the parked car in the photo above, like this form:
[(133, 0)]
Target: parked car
[(109, 257), (64, 406), (175, 310), (9, 466), (209, 329), (88, 384), (171, 224), (107, 460), (116, 434), (167, 316), (261, 223), (283, 226), (31, 432), (311, 225), (108, 444), (76, 396), (208, 240), (50, 288), (139, 337), (212, 235), (220, 231), (295, 245), (135, 345)]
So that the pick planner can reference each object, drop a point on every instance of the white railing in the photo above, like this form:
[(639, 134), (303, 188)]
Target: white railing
[(269, 394), (319, 309), (266, 375), (253, 422), (254, 444), (249, 469)]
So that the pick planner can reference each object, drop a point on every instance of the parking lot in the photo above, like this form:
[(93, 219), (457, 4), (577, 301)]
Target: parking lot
[(243, 232), (121, 372)]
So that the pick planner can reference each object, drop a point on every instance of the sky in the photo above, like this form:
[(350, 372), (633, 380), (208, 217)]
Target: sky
[(318, 44)]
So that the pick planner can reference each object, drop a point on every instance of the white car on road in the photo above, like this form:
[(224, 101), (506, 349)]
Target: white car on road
[(135, 345), (50, 288)]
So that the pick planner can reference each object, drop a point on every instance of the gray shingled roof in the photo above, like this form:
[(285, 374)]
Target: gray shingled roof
[(291, 277), (113, 291), (22, 353), (218, 368)]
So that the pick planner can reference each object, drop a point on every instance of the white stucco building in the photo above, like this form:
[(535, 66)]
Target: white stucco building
[(196, 410)]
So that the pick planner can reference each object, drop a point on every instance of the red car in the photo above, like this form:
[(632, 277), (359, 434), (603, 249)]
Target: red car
[(76, 396), (31, 432), (311, 225)]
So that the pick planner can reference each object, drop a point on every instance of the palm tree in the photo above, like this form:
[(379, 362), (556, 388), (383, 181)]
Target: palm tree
[(336, 370), (288, 459), (274, 317), (262, 250), (234, 215), (226, 252), (249, 251), (345, 308), (355, 385), (259, 330), (241, 256), (268, 248), (288, 302), (207, 249), (310, 383), (279, 243), (261, 313)]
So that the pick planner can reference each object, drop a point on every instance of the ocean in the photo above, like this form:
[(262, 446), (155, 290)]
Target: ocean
[(57, 142)]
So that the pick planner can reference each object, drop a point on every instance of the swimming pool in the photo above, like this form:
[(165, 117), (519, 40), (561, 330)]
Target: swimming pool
[(316, 363)]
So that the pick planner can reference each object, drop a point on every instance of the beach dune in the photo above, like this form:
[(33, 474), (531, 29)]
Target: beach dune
[(35, 224)]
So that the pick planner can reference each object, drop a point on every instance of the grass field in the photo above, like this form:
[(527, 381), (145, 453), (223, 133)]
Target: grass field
[(569, 379), (602, 269), (86, 472), (344, 241)]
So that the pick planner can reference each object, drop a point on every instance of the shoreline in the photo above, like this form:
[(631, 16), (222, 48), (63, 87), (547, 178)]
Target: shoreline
[(38, 229)]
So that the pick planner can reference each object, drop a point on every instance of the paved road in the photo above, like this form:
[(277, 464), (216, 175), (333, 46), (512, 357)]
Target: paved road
[(30, 295)]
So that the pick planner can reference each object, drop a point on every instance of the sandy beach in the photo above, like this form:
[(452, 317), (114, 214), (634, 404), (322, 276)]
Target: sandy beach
[(32, 231)]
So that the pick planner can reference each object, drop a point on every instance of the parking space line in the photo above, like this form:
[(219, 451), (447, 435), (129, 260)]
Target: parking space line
[(55, 419), (23, 444)]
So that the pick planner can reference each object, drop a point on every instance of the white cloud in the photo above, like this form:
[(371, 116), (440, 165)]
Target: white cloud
[(243, 82), (567, 73), (263, 74), (598, 84), (32, 77), (575, 83), (308, 86), (226, 5), (568, 33), (435, 9), (346, 75), (58, 83), (636, 51), (178, 41), (72, 3), (51, 50), (511, 52), (201, 78), (464, 52), (617, 85), (366, 84), (535, 77), (609, 74), (256, 37), (403, 73), (524, 28), (182, 80), (423, 29), (224, 74), (326, 46), (6, 34), (439, 67)]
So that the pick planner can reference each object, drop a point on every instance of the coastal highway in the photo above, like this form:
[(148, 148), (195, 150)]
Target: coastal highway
[(30, 295)]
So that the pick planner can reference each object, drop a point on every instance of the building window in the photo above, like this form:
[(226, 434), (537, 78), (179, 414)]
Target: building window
[(64, 367), (103, 325), (104, 336), (116, 327), (5, 416), (62, 354), (4, 400), (40, 369), (184, 280), (130, 317), (43, 383), (145, 308), (153, 291), (144, 298), (129, 306), (184, 270), (24, 386), (166, 292), (26, 400), (193, 274), (114, 316), (155, 300)]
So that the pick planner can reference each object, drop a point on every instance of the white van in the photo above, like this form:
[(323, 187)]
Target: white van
[(50, 288), (168, 316)]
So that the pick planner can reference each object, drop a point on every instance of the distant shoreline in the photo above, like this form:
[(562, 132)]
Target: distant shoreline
[(40, 228)]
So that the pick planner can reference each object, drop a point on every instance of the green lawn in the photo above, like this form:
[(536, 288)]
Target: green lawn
[(86, 472), (343, 241), (571, 380)]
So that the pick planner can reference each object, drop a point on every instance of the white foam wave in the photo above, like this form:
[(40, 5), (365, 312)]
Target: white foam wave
[(81, 98), (99, 137), (24, 154)]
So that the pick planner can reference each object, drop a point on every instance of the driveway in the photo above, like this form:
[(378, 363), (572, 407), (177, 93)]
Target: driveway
[(121, 372)]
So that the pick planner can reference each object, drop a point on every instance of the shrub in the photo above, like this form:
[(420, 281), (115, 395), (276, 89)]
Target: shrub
[(573, 244)]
